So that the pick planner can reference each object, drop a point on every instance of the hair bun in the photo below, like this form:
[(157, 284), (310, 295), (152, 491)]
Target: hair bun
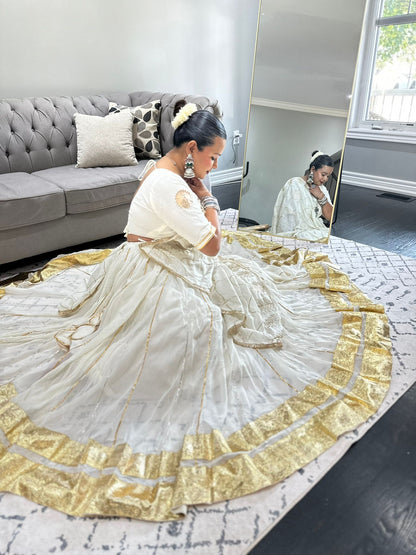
[(315, 155), (178, 106), (184, 114)]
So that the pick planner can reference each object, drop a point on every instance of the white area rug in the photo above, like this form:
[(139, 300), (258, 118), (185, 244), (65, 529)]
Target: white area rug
[(233, 527)]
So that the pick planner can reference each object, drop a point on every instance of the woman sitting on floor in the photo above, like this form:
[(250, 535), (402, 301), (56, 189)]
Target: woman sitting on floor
[(303, 200), (161, 374)]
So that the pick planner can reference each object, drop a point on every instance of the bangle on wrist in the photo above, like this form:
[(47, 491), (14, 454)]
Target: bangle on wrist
[(322, 201), (209, 202)]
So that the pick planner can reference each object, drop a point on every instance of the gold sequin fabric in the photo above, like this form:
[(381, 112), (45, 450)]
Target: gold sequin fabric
[(139, 381)]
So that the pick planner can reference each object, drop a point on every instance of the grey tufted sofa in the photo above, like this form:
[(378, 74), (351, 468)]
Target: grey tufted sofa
[(46, 203)]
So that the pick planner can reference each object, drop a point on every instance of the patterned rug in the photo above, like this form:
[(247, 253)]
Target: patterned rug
[(234, 527)]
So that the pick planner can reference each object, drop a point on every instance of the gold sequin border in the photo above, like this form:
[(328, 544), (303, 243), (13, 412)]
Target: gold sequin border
[(81, 494), (241, 474)]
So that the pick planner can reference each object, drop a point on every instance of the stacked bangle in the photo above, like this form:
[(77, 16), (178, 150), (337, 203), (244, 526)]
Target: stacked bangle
[(322, 201), (210, 202)]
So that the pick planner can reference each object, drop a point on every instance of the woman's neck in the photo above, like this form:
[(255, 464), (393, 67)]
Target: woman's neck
[(177, 157), (172, 161)]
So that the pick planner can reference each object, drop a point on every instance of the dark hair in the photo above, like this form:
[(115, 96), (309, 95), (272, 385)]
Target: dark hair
[(321, 160), (202, 127)]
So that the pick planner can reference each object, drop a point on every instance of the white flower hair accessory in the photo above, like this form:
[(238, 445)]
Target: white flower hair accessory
[(184, 114), (319, 153)]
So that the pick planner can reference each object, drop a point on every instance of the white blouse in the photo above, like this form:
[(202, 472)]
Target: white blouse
[(165, 207)]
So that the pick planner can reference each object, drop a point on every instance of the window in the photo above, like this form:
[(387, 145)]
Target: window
[(384, 101)]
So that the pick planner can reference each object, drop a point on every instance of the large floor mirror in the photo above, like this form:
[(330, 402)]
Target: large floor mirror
[(302, 83)]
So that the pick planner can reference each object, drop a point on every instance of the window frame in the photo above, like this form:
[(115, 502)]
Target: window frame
[(358, 126)]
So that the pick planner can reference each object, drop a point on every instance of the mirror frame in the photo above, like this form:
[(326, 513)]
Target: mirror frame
[(260, 227)]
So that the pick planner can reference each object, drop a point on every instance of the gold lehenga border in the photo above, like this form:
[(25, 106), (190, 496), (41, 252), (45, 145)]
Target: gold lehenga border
[(56, 265), (78, 493)]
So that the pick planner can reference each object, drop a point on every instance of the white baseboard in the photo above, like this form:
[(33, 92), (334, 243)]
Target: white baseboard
[(226, 176), (398, 186)]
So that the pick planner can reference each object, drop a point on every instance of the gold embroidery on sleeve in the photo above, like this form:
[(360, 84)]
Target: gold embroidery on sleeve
[(183, 198)]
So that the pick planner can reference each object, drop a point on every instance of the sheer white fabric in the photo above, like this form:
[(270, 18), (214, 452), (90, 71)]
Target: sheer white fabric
[(169, 318), (297, 213)]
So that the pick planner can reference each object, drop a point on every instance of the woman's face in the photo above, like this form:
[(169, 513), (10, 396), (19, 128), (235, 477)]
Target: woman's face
[(321, 176), (206, 159)]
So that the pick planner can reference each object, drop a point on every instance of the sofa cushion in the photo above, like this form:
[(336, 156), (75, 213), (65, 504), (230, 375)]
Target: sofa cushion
[(145, 127), (89, 189), (105, 141), (26, 199)]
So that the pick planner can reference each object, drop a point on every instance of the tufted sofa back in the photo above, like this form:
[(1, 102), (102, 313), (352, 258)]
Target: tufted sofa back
[(39, 133)]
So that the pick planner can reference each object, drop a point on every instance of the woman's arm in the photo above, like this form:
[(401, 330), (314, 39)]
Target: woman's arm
[(325, 207), (213, 246), (327, 210)]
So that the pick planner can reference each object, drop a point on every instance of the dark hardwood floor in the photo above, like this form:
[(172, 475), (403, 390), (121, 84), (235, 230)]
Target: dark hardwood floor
[(380, 221), (366, 504)]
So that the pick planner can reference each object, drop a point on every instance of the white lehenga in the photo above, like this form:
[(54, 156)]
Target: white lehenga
[(297, 213), (145, 379)]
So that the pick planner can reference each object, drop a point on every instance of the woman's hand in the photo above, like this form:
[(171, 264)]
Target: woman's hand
[(316, 192), (197, 186)]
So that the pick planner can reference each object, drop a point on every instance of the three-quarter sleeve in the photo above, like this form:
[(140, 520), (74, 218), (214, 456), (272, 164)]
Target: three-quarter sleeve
[(180, 209)]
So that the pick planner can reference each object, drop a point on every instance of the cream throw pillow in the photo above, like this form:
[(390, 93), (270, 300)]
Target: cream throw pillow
[(105, 141)]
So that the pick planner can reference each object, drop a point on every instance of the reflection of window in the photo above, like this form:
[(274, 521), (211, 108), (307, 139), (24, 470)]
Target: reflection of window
[(384, 103)]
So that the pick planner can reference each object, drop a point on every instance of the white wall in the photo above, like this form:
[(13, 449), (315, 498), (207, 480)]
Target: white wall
[(280, 145), (69, 47), (380, 165)]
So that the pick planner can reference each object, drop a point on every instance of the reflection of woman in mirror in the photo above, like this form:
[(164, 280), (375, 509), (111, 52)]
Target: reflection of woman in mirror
[(303, 200)]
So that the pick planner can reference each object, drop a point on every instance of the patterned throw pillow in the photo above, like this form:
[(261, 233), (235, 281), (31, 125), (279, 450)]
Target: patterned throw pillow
[(145, 127)]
